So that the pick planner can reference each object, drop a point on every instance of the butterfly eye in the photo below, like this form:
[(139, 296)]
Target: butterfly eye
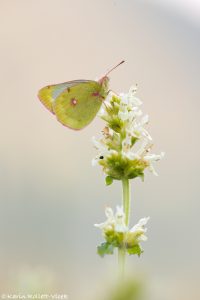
[(101, 157)]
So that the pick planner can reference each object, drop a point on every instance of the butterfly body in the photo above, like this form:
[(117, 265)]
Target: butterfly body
[(75, 103)]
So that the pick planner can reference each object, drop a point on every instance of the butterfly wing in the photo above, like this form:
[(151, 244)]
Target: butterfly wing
[(48, 94), (77, 105)]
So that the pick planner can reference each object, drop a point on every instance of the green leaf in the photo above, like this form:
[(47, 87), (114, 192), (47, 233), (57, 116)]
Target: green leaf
[(105, 248), (108, 180), (136, 249)]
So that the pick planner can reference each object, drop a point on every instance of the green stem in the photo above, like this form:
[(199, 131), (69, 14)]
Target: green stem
[(121, 262), (126, 208), (126, 199)]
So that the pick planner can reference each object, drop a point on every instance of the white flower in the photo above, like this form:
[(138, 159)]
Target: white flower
[(144, 148), (129, 99), (129, 105), (151, 158), (154, 157), (123, 115), (101, 112), (128, 152), (120, 220), (139, 154), (110, 222), (126, 143), (144, 120), (139, 229), (102, 149), (116, 223), (109, 214), (138, 128), (99, 145), (106, 103), (152, 170)]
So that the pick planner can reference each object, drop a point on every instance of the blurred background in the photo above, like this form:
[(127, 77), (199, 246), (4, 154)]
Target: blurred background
[(50, 195)]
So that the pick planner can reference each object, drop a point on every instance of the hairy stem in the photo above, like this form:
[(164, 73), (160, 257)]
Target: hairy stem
[(126, 208), (126, 199)]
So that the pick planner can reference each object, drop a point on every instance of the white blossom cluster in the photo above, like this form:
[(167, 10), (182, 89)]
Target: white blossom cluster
[(115, 223), (134, 123)]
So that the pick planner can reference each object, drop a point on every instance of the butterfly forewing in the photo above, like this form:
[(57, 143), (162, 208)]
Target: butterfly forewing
[(48, 94), (77, 105)]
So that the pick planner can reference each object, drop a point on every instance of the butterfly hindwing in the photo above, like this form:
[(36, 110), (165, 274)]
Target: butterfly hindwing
[(78, 104)]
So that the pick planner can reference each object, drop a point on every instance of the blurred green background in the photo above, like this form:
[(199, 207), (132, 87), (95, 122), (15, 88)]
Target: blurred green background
[(50, 195)]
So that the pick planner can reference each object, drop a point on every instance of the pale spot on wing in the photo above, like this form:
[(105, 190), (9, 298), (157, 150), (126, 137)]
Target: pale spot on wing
[(74, 101)]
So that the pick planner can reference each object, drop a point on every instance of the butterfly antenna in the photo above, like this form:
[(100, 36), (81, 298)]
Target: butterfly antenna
[(121, 62)]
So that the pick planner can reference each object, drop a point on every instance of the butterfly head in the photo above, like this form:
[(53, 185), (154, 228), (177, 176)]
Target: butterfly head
[(104, 82)]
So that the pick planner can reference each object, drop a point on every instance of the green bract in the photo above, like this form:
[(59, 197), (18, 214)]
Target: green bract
[(119, 241), (118, 166)]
